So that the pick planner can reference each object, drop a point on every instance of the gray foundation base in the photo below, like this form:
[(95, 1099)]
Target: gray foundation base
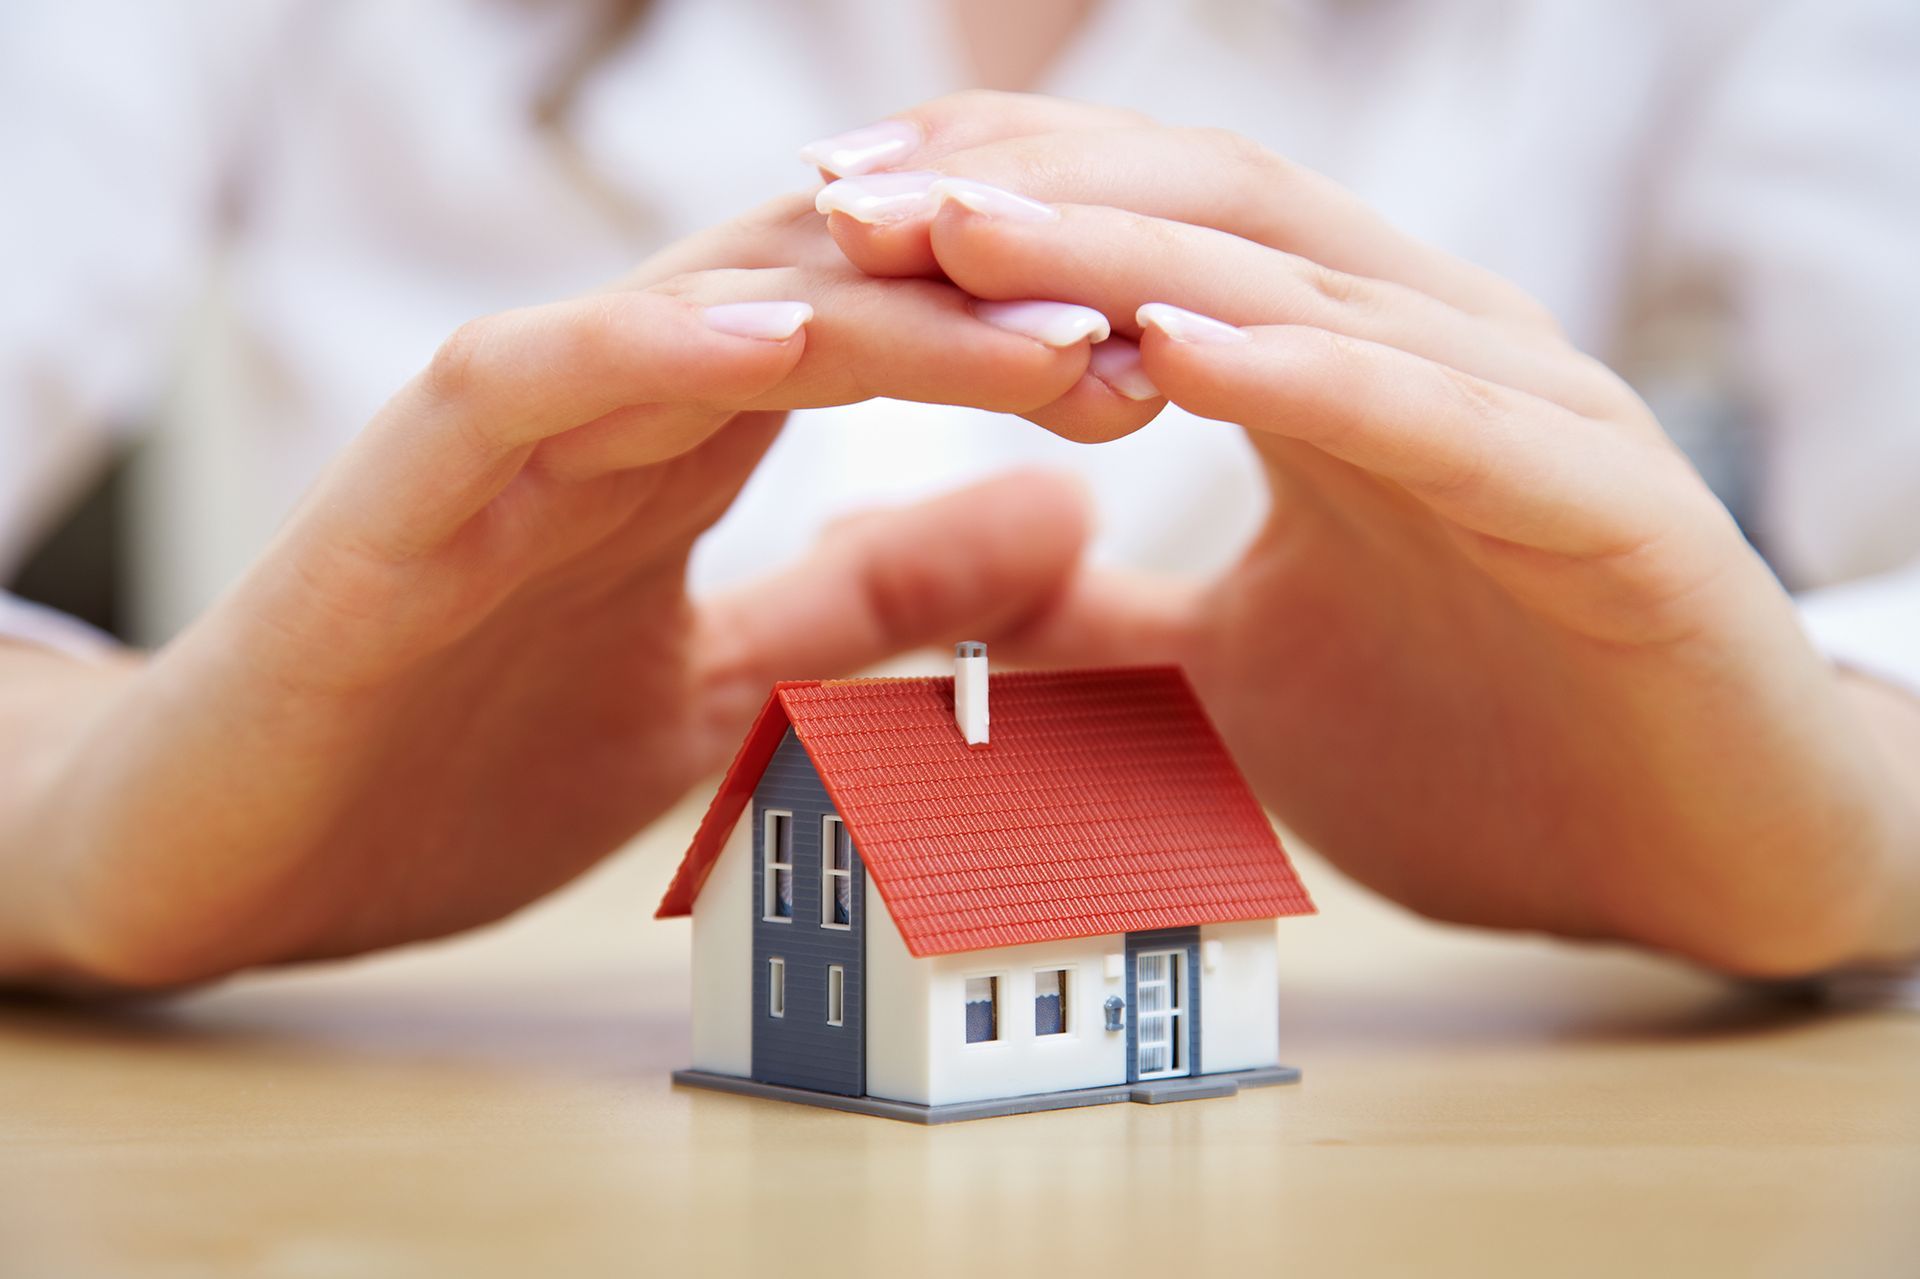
[(1149, 1093)]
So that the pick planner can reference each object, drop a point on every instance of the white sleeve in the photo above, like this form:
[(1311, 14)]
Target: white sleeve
[(116, 124), (1793, 201), (1871, 626), (26, 622)]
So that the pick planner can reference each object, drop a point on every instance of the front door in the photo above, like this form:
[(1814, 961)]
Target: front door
[(1160, 1015)]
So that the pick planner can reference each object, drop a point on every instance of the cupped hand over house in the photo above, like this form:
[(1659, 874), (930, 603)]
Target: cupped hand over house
[(1498, 651), (468, 667)]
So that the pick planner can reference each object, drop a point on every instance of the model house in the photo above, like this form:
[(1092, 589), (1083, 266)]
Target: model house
[(945, 898)]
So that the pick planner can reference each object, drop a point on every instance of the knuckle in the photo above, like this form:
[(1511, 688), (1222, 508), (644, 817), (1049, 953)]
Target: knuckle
[(1605, 394), (1231, 148), (458, 363), (1535, 314), (938, 114), (785, 210), (901, 591), (1471, 397), (771, 226), (1335, 365), (586, 340), (1338, 287), (1467, 468), (681, 285), (1157, 239), (1252, 169), (1511, 305)]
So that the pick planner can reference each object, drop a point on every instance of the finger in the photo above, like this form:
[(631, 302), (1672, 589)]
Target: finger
[(974, 564), (1115, 398), (1206, 177), (1110, 617), (888, 168), (868, 339), (917, 340), (782, 231), (459, 432), (908, 340), (1116, 261), (1495, 461), (954, 123)]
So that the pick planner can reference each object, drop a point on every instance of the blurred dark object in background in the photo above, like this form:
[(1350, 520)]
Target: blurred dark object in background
[(80, 567)]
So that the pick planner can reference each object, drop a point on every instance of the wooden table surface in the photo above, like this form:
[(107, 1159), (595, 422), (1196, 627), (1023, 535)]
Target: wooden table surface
[(499, 1105)]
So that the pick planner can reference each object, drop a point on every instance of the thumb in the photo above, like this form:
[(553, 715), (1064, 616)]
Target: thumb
[(978, 563)]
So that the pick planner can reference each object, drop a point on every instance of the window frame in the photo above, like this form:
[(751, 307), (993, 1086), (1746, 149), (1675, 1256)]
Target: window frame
[(836, 994), (996, 984), (776, 986), (829, 823), (770, 865), (1069, 1024)]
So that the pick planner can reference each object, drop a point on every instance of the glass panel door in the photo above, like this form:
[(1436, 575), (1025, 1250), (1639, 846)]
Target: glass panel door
[(1158, 1008)]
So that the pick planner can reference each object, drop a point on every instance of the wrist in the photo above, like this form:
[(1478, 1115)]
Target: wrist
[(51, 704), (1888, 720)]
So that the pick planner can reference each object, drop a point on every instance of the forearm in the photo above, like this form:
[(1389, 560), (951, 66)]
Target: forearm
[(48, 703)]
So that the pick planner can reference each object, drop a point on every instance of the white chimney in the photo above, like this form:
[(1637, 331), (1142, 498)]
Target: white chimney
[(970, 691)]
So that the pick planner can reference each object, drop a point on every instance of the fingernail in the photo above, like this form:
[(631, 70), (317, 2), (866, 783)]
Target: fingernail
[(1188, 326), (992, 202), (1060, 324), (1117, 363), (863, 150), (878, 197), (769, 321)]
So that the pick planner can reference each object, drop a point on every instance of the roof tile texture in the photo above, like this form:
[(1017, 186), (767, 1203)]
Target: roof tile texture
[(1104, 802)]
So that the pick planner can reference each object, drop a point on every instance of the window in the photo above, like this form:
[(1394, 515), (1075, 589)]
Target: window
[(777, 987), (836, 874), (836, 995), (776, 876), (1050, 1001), (983, 1009)]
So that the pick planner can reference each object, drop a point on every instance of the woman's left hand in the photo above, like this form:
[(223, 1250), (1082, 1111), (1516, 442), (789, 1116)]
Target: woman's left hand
[(1498, 652)]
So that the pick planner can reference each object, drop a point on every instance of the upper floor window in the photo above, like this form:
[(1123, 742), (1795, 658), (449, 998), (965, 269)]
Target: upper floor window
[(836, 874), (776, 876)]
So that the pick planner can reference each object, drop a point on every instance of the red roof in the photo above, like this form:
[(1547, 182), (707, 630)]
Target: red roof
[(1104, 802)]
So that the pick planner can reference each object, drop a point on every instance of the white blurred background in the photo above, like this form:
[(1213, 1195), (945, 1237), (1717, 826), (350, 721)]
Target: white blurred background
[(232, 229)]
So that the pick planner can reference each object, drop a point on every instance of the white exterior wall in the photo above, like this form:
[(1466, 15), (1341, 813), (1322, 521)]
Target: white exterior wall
[(1239, 995), (896, 1014), (723, 959), (917, 1049), (1020, 1062), (916, 1008)]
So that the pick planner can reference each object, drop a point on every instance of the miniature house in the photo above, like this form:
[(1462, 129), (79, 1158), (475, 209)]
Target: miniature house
[(945, 898)]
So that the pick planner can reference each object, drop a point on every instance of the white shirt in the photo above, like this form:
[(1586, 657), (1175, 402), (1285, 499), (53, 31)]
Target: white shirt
[(252, 221)]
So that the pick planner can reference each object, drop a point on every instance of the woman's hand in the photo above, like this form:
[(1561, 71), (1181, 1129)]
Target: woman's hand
[(1498, 652), (468, 668)]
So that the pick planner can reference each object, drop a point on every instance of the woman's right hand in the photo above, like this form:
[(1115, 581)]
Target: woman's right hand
[(467, 668)]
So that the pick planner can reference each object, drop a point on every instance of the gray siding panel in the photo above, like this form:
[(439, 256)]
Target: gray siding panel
[(800, 1050), (1186, 940)]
